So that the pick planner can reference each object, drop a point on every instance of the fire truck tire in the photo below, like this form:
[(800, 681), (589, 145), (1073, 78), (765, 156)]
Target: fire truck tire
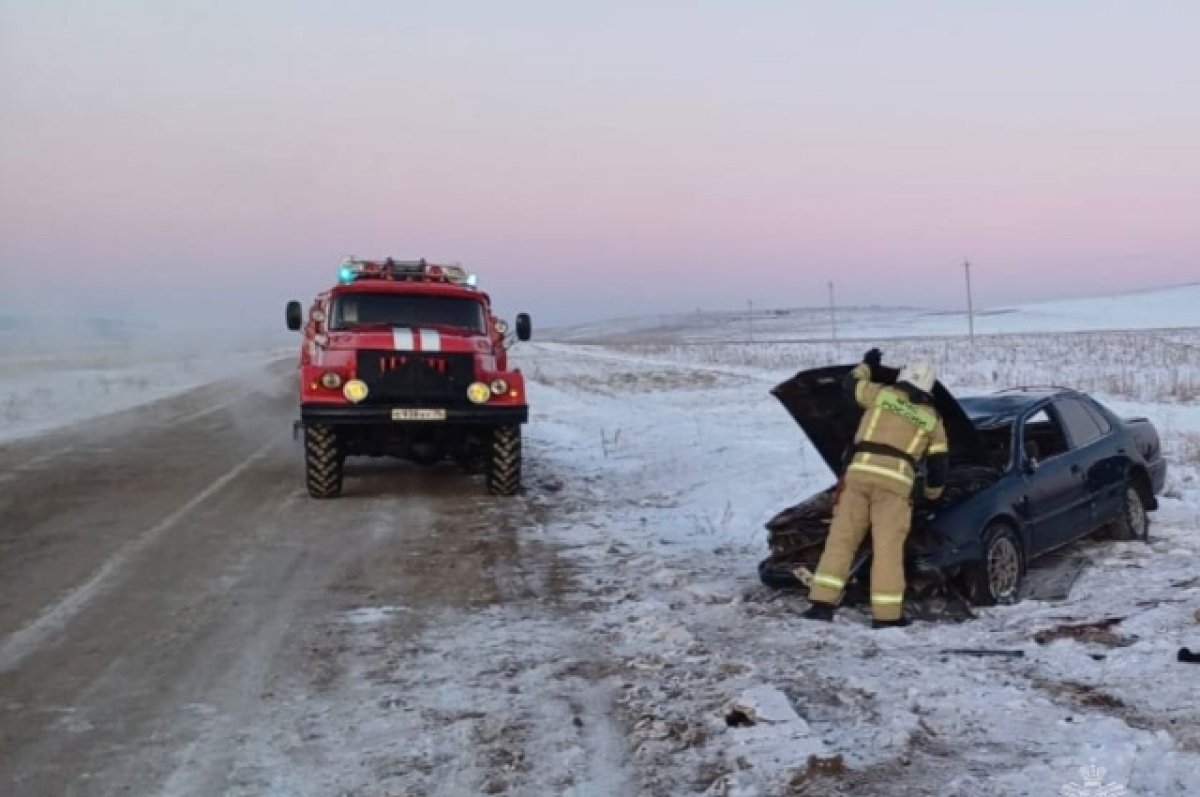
[(323, 462), (504, 461)]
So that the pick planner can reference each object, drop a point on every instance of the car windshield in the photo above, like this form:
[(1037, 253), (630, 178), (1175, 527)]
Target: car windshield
[(406, 310)]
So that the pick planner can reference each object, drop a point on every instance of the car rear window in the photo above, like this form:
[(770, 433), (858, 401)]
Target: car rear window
[(1080, 425), (1098, 417)]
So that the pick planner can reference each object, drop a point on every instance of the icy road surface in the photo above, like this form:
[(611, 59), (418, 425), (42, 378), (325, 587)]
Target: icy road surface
[(178, 618)]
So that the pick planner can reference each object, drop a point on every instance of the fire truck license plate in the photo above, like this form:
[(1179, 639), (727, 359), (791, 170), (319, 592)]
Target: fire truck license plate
[(418, 415)]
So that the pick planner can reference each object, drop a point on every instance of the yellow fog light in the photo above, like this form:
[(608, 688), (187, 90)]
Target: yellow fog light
[(478, 392), (355, 390), (499, 387), (331, 380)]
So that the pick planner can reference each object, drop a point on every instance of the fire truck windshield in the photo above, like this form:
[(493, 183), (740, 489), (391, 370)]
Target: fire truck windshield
[(406, 310)]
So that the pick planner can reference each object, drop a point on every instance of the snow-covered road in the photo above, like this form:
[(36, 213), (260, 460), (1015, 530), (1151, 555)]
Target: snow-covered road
[(178, 618)]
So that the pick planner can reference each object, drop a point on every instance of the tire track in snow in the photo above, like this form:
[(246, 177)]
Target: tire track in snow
[(55, 618)]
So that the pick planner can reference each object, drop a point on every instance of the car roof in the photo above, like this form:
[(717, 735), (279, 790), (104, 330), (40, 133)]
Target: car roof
[(1002, 407)]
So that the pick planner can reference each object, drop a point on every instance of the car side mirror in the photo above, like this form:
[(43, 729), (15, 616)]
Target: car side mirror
[(295, 315), (524, 326)]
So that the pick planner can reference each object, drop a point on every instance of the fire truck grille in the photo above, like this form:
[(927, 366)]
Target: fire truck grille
[(395, 376)]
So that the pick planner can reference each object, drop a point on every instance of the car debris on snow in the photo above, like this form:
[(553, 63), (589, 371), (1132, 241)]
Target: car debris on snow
[(767, 725), (1099, 632), (762, 704), (1012, 654)]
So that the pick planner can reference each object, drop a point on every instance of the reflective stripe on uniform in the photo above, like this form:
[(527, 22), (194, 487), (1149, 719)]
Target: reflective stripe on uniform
[(939, 448), (891, 474), (833, 582), (923, 421), (869, 434), (887, 598), (859, 387), (872, 423)]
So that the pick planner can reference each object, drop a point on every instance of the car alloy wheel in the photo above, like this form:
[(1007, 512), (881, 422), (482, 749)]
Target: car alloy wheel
[(1003, 568)]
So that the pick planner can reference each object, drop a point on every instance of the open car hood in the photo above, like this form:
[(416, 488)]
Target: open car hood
[(815, 400)]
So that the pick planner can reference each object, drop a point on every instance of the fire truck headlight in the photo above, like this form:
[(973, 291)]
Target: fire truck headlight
[(499, 387), (331, 380), (355, 390), (479, 393)]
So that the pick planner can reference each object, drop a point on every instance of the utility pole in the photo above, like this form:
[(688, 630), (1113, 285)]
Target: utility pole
[(970, 303), (832, 313), (750, 317)]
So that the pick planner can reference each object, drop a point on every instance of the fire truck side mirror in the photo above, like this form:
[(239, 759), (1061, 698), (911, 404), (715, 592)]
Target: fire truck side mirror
[(524, 326), (295, 315)]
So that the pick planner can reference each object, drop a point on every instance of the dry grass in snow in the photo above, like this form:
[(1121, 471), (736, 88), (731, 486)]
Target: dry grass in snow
[(1141, 365)]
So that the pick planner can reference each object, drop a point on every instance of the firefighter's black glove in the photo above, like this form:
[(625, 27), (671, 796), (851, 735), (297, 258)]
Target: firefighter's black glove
[(873, 358)]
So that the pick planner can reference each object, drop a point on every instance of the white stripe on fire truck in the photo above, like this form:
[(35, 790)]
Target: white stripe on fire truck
[(431, 340), (402, 339)]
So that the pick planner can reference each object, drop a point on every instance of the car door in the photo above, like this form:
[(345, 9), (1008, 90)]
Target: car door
[(1090, 436), (1054, 499)]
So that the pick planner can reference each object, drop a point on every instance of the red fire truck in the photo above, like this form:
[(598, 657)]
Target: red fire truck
[(407, 359)]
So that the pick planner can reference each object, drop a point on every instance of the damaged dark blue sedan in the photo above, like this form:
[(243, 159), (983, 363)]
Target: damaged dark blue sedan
[(1031, 470)]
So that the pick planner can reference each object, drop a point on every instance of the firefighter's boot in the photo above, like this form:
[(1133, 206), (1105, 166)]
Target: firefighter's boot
[(903, 622), (820, 611)]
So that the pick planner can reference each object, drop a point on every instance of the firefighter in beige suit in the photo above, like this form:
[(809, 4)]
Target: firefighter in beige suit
[(899, 429)]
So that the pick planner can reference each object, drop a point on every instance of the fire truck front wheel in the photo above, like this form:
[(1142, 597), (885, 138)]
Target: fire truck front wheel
[(504, 461), (323, 461)]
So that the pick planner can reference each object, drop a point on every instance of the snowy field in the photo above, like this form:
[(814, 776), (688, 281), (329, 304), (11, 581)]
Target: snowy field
[(1167, 308), (678, 457), (55, 373)]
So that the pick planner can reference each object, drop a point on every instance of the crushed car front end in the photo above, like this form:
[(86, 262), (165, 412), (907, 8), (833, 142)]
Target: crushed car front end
[(944, 534)]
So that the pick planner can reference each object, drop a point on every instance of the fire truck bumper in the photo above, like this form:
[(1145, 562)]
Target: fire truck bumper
[(389, 415)]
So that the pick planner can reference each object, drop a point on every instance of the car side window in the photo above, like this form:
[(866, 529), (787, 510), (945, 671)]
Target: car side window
[(1042, 437), (1081, 427)]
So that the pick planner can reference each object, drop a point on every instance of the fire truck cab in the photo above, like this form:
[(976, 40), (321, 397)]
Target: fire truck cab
[(407, 359)]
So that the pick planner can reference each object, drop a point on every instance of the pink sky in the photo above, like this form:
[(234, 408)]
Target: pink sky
[(643, 157)]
